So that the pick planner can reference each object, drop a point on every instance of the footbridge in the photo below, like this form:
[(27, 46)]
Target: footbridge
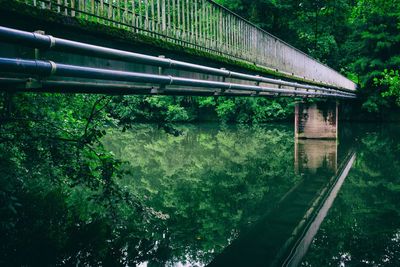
[(156, 47)]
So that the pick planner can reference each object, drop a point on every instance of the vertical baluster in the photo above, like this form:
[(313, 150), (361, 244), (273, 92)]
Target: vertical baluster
[(207, 25), (140, 16), (66, 7), (188, 22), (73, 8), (118, 19), (259, 45), (224, 30), (146, 7), (248, 41), (196, 22), (92, 10), (153, 15), (221, 33), (242, 38), (245, 40), (158, 28), (238, 36), (228, 31), (265, 43), (133, 9), (233, 22), (256, 45), (178, 3), (201, 21), (211, 30), (169, 17), (98, 10), (235, 36), (80, 7), (59, 6), (183, 20), (197, 19), (163, 16), (101, 8), (192, 20), (115, 12), (253, 37), (215, 26), (219, 29), (232, 19), (125, 12), (233, 48), (174, 18), (110, 9), (253, 43)]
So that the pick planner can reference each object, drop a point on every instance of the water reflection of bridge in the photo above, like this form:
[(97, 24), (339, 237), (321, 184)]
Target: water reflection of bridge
[(282, 236), (311, 154)]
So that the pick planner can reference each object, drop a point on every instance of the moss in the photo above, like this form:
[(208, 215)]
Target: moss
[(44, 16)]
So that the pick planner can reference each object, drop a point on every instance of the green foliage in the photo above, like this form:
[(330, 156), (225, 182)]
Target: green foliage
[(226, 109), (390, 80), (374, 46), (164, 109), (60, 200)]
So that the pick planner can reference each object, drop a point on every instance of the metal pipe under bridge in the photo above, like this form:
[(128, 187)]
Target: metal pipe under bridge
[(47, 75), (200, 25)]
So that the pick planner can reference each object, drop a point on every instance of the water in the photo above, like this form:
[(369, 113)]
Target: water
[(246, 195)]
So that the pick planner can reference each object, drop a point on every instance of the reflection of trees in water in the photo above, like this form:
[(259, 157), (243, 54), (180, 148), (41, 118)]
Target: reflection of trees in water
[(210, 182), (364, 223)]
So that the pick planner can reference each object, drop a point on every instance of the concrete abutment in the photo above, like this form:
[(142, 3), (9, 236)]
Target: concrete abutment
[(316, 120)]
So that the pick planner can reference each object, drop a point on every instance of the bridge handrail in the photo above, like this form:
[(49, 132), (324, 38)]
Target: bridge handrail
[(204, 25)]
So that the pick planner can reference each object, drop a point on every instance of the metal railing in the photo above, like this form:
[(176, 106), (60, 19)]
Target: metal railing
[(203, 25)]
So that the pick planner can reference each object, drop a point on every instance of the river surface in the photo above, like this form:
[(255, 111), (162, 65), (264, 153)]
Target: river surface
[(253, 196)]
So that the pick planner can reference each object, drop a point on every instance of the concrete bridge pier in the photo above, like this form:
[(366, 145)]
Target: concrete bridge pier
[(316, 120)]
